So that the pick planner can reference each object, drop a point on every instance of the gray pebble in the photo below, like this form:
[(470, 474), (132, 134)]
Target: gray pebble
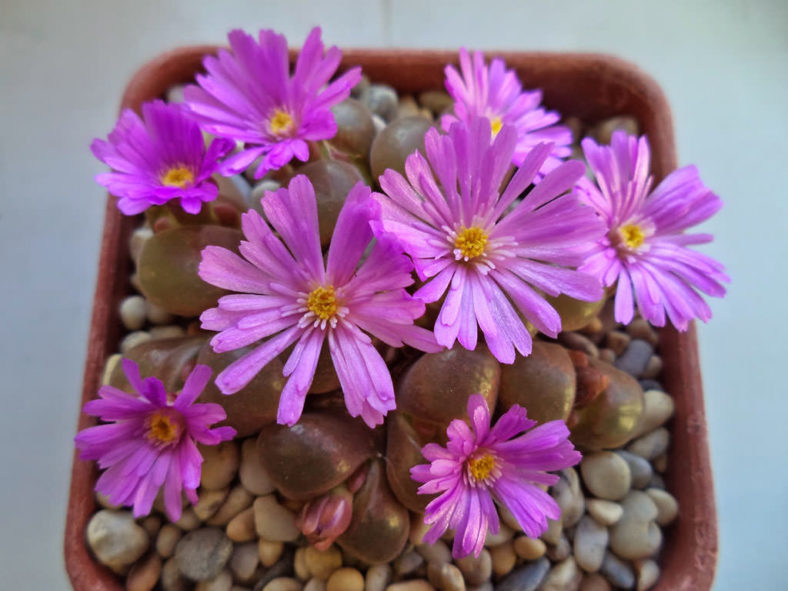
[(382, 100), (618, 572), (653, 368), (651, 385), (658, 407), (606, 475), (667, 505), (377, 577), (636, 535), (116, 539), (564, 576), (590, 544), (526, 578), (202, 554), (605, 512), (639, 468), (407, 563), (635, 359), (569, 496), (651, 445), (476, 570), (560, 551)]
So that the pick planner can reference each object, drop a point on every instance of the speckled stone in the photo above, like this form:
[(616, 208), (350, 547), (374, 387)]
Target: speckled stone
[(202, 554)]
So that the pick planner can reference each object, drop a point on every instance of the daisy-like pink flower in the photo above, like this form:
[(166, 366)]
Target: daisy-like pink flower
[(149, 440), (496, 93), (481, 465), (249, 96), (645, 247), (471, 238), (157, 158), (290, 297)]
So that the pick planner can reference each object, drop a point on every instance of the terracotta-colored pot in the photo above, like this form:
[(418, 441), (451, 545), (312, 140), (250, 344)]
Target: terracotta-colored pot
[(591, 87)]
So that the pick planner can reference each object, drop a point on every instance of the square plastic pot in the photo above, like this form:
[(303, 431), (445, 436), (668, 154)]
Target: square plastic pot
[(591, 87)]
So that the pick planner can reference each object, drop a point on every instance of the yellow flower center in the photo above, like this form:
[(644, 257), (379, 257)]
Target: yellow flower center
[(481, 467), (470, 243), (281, 123), (632, 235), (177, 176), (322, 302), (496, 125), (163, 427)]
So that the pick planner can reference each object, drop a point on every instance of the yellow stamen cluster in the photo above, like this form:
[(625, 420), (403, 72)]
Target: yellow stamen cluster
[(470, 242), (496, 125), (177, 176), (322, 302), (281, 123), (632, 235), (481, 467), (162, 428)]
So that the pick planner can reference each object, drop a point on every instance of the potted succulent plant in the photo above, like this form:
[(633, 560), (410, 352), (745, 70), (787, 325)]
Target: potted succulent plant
[(341, 283)]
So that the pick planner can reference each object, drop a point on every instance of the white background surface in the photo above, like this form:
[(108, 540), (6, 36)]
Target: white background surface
[(63, 65)]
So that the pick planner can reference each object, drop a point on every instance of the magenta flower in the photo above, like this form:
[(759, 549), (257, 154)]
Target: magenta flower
[(471, 239), (249, 96), (645, 247), (289, 296), (148, 441), (158, 158), (496, 93), (483, 464)]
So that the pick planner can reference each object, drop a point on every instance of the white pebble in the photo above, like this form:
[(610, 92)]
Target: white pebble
[(132, 312)]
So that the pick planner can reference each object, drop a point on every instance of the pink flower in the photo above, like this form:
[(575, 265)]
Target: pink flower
[(249, 96), (158, 158), (645, 247), (483, 464), (460, 219), (288, 296), (148, 441), (496, 93)]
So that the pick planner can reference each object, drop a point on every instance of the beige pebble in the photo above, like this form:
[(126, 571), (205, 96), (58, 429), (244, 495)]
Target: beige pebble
[(647, 574), (414, 585), (221, 582), (503, 558), (552, 535), (636, 535), (273, 521), (594, 582), (167, 332), (322, 563), (220, 465), (299, 564), (559, 551), (651, 445), (156, 314), (188, 520), (145, 573), (603, 131), (505, 533), (132, 312), (314, 584), (171, 577), (138, 238), (451, 578), (209, 502), (251, 472), (169, 534), (283, 584), (133, 339), (667, 505), (242, 527), (529, 548), (437, 553), (109, 367), (562, 576), (116, 539), (476, 570), (605, 512), (345, 579), (377, 577), (269, 552), (244, 561), (237, 500), (589, 544), (606, 475), (658, 407), (407, 563)]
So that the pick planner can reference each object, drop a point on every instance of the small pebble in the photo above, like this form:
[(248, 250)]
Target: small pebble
[(418, 529), (299, 564), (151, 524), (157, 315), (269, 552), (590, 544), (273, 521), (651, 445), (436, 101), (244, 561), (564, 576), (175, 93), (138, 239), (437, 553), (636, 535), (640, 468), (109, 367), (552, 535), (133, 339), (169, 534), (237, 500), (202, 554), (618, 572), (220, 465), (171, 577), (413, 585), (451, 578), (569, 496), (132, 312), (407, 563), (661, 463), (653, 367), (242, 527), (594, 582), (641, 329), (322, 563), (382, 100), (209, 502), (116, 539), (606, 475), (283, 584), (658, 407), (529, 548), (145, 573), (167, 332), (503, 558), (377, 578), (607, 355), (188, 520), (251, 472), (476, 570), (526, 578), (647, 574), (259, 191), (345, 579), (578, 342), (635, 359), (560, 551), (617, 341), (505, 533), (221, 582), (603, 131), (667, 505), (605, 512), (315, 585)]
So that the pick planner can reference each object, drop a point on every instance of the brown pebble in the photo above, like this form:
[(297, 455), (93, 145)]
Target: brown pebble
[(653, 367), (189, 520), (241, 527), (476, 570), (283, 584), (607, 355), (594, 582), (618, 341), (315, 585), (529, 548), (237, 500), (244, 561), (169, 534), (503, 558), (641, 329), (151, 524), (345, 579), (145, 573), (414, 585), (322, 563), (209, 502), (269, 552)]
